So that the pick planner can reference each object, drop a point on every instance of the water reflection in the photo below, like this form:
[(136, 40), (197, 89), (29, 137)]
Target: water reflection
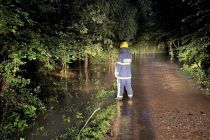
[(133, 119), (69, 100), (122, 128)]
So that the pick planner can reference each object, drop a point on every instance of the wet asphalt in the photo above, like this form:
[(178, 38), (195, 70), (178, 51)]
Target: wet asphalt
[(166, 104)]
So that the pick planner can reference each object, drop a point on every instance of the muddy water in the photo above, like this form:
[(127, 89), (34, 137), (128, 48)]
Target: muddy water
[(166, 105), (69, 100)]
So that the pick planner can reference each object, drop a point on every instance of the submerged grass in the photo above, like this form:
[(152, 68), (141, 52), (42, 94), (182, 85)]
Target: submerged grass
[(96, 122), (99, 125)]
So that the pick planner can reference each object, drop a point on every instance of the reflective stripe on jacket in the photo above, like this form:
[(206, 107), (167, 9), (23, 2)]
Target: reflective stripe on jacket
[(123, 65)]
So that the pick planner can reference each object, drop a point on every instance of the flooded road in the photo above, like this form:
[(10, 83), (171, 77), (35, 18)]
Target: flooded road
[(166, 105)]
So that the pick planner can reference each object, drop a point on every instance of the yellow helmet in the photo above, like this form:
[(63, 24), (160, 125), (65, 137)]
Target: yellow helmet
[(124, 45)]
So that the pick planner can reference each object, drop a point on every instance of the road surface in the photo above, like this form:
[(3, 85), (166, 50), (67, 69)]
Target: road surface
[(166, 105)]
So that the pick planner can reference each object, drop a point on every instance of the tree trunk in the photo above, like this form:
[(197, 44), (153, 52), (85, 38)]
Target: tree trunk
[(171, 51), (64, 69), (86, 61), (86, 71), (3, 84)]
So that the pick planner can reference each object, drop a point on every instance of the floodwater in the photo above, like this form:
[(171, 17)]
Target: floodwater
[(166, 104), (69, 101)]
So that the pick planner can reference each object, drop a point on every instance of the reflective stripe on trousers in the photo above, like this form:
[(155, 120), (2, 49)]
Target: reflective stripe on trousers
[(121, 83), (123, 77)]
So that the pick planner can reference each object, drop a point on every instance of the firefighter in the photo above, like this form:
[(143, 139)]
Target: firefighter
[(123, 71)]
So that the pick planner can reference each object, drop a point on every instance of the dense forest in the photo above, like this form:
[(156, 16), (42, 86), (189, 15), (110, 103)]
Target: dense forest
[(52, 35)]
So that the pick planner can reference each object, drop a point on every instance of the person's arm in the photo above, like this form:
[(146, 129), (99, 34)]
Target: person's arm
[(118, 66)]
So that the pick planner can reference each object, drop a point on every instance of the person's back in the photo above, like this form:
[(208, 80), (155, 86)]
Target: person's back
[(124, 60), (123, 71)]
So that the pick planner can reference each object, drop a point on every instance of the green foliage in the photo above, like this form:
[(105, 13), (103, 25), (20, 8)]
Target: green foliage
[(183, 28), (195, 52), (29, 110), (104, 56), (99, 125), (124, 14), (196, 72), (18, 125), (195, 57), (48, 36), (10, 19), (22, 107)]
